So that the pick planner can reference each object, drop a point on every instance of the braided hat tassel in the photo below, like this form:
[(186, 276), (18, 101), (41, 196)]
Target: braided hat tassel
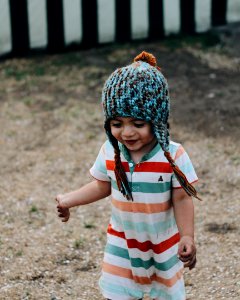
[(185, 184), (122, 182)]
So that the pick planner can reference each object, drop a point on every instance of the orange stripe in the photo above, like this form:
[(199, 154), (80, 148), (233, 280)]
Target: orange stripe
[(127, 273), (148, 208), (155, 167), (110, 164), (180, 152)]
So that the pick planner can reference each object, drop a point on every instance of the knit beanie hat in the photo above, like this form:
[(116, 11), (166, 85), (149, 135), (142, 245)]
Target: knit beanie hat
[(140, 91)]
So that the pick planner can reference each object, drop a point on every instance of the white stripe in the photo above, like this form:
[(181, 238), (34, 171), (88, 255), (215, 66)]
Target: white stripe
[(128, 283), (171, 16), (203, 15), (122, 282), (139, 18), (98, 175), (37, 23), (162, 257), (135, 253), (143, 197), (5, 27), (119, 280), (106, 21), (140, 217), (152, 270), (140, 271), (72, 15), (233, 11), (145, 177), (116, 260)]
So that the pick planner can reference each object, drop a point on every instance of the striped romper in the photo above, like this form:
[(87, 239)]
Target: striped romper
[(142, 238)]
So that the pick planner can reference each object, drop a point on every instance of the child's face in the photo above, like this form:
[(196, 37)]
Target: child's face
[(135, 134)]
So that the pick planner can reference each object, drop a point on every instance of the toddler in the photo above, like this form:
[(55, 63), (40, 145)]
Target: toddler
[(150, 236)]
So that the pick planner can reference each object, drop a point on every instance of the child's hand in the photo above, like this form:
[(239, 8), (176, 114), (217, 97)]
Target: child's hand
[(187, 252), (63, 211)]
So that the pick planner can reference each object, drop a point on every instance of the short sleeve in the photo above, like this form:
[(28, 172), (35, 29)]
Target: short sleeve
[(98, 170), (185, 165)]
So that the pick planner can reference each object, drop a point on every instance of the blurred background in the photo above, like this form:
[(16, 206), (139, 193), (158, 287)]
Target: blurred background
[(54, 58)]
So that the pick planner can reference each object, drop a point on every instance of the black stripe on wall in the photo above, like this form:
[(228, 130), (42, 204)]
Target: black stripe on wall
[(187, 8), (155, 19), (19, 27), (55, 26), (89, 23), (123, 20), (219, 8)]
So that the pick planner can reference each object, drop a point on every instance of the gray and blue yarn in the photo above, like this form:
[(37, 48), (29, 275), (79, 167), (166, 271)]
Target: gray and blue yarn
[(139, 91)]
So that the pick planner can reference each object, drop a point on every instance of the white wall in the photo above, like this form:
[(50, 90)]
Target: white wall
[(72, 15), (233, 11), (106, 21), (139, 20), (5, 27), (37, 20), (203, 15), (171, 16)]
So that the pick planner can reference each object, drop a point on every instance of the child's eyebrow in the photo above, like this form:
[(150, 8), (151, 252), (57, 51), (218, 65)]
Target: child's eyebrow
[(116, 120)]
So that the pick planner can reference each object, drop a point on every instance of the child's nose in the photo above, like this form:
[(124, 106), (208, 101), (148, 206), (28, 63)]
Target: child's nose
[(127, 131)]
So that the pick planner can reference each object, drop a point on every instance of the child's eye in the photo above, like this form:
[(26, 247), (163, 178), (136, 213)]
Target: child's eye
[(139, 125), (116, 125)]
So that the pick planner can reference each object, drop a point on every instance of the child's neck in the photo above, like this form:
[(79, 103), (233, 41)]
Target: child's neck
[(137, 156)]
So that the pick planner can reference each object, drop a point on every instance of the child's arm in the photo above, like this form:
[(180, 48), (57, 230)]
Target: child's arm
[(89, 193), (184, 215)]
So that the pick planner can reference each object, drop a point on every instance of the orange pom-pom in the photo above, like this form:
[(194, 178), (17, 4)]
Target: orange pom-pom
[(147, 57)]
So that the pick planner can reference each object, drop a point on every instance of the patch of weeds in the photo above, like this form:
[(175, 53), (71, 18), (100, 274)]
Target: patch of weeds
[(33, 209), (15, 73), (69, 59), (19, 253), (205, 40), (87, 267), (26, 296), (39, 71), (89, 225), (78, 243), (28, 101), (235, 160), (220, 228), (90, 135), (211, 147), (11, 133)]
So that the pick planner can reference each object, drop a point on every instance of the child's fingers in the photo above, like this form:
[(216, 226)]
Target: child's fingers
[(184, 250), (57, 198), (191, 263)]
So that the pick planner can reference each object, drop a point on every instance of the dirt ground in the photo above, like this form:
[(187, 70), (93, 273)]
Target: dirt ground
[(51, 130)]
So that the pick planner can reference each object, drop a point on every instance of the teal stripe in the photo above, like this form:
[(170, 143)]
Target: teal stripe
[(156, 228), (118, 289), (147, 187), (117, 251), (138, 262), (178, 295), (112, 288)]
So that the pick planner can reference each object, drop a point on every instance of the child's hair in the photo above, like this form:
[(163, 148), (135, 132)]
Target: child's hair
[(140, 91)]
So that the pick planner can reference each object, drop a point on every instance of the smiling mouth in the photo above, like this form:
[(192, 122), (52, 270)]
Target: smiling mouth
[(131, 142)]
